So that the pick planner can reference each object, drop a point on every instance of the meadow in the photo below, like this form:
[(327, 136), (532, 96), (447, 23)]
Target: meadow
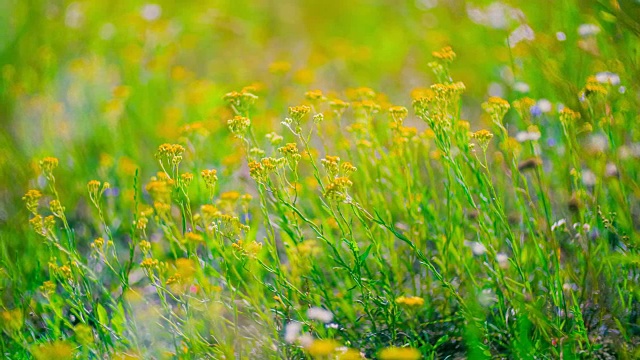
[(320, 179)]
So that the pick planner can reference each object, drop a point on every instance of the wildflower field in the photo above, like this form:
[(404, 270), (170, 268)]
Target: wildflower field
[(320, 179)]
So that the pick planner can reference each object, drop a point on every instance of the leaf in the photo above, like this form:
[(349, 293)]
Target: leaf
[(118, 320), (103, 317), (365, 254)]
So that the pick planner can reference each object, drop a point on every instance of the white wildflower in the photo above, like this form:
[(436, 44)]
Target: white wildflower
[(292, 332), (588, 178), (151, 12), (320, 314), (521, 87), (607, 77), (586, 30), (523, 136), (503, 260), (544, 105), (522, 32), (558, 224), (476, 247)]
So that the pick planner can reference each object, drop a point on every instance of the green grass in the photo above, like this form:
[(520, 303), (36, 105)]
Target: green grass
[(319, 180)]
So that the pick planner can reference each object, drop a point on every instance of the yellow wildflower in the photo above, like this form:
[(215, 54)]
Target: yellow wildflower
[(397, 353), (445, 54), (322, 348), (410, 301), (59, 350)]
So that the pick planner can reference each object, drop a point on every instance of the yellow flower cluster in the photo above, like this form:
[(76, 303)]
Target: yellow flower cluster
[(398, 353), (239, 125), (410, 301), (445, 54)]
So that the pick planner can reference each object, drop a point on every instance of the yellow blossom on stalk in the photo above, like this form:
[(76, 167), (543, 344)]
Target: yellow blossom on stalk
[(297, 112), (37, 223), (210, 177), (145, 246), (314, 95), (96, 189), (31, 200), (270, 164), (250, 249), (445, 54), (173, 279), (240, 101), (322, 348), (65, 272), (142, 221), (496, 107), (568, 116), (338, 106), (48, 288), (257, 171), (97, 244), (593, 87), (56, 208), (410, 301), (397, 353), (331, 165), (291, 154), (523, 107), (193, 237), (93, 186), (337, 189), (186, 178), (239, 125), (483, 137), (149, 263), (170, 150), (398, 114), (47, 165), (447, 92), (347, 168)]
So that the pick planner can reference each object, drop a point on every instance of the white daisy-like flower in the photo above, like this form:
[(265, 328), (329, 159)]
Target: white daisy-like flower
[(544, 105), (523, 136), (476, 247), (320, 314), (151, 12), (292, 332), (558, 224), (607, 77), (586, 30), (503, 260)]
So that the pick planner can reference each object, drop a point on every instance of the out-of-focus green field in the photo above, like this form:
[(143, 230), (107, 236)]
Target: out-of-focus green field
[(319, 179)]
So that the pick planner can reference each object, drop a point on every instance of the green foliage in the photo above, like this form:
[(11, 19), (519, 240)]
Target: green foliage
[(312, 180)]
